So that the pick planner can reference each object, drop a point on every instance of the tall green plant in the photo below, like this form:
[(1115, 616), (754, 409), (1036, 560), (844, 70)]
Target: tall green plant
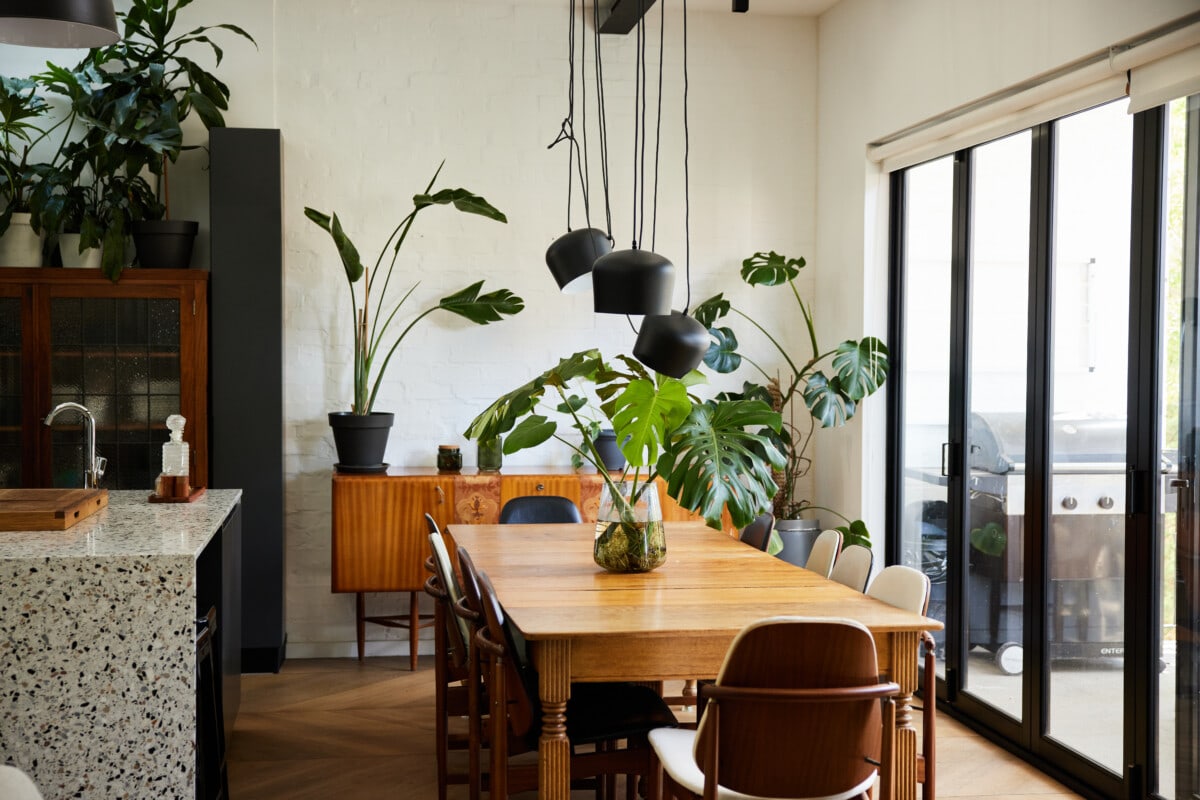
[(371, 325), (23, 113), (830, 383), (703, 450)]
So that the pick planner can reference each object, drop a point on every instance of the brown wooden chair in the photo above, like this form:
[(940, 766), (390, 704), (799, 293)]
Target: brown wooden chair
[(908, 588), (598, 714), (452, 676), (539, 508), (758, 533), (795, 713)]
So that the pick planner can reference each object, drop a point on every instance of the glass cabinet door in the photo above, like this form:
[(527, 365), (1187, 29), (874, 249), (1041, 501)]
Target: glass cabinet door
[(11, 405), (121, 358)]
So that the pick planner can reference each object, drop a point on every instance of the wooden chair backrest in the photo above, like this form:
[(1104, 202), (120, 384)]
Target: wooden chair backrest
[(519, 680), (853, 567), (758, 533), (458, 633), (824, 553), (795, 711)]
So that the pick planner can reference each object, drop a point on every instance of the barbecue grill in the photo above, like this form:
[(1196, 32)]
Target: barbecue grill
[(1086, 538)]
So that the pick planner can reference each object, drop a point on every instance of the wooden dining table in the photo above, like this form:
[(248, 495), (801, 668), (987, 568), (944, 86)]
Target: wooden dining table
[(677, 622)]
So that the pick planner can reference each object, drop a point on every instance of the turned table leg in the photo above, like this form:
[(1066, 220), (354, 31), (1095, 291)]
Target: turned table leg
[(553, 660), (902, 668)]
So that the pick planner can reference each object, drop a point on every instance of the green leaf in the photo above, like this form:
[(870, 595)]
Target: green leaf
[(481, 309), (347, 251), (210, 115), (722, 356), (646, 413), (770, 269), (712, 462), (463, 200), (711, 310), (532, 431), (827, 401), (862, 366), (855, 533)]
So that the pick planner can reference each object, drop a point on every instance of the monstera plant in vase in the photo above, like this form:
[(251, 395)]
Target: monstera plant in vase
[(824, 388), (713, 456), (360, 434)]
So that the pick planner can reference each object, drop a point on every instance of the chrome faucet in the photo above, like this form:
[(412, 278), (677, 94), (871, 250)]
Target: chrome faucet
[(94, 464)]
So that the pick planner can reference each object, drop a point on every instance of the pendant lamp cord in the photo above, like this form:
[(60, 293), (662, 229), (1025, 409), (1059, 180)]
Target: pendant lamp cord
[(566, 132), (602, 121), (638, 100), (662, 23), (687, 210)]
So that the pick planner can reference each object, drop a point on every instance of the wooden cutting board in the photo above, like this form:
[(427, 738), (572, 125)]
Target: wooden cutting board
[(48, 509)]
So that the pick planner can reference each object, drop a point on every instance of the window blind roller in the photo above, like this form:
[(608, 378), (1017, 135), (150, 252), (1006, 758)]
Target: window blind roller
[(1152, 69)]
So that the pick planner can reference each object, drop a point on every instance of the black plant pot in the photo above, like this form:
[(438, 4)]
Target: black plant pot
[(361, 440), (165, 243), (610, 454)]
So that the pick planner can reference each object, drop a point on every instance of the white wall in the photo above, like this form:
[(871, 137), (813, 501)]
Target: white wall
[(884, 65), (370, 95)]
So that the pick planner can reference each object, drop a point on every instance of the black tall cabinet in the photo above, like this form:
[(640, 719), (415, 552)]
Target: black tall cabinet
[(246, 370)]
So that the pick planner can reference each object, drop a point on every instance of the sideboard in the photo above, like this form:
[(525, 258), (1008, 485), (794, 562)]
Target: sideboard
[(379, 535)]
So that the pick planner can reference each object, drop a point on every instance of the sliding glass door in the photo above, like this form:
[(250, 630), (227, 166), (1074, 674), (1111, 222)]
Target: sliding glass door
[(1045, 300)]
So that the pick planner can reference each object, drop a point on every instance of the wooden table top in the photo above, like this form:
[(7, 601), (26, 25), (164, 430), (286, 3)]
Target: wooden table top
[(545, 578)]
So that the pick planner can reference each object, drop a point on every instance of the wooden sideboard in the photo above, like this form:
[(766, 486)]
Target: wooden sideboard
[(379, 536)]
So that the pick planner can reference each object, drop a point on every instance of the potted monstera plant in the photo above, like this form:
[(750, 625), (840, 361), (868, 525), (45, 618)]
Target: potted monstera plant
[(823, 388), (360, 434), (713, 456)]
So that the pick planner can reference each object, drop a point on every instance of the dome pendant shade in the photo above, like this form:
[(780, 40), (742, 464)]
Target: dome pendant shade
[(570, 257), (633, 282), (58, 23), (673, 344)]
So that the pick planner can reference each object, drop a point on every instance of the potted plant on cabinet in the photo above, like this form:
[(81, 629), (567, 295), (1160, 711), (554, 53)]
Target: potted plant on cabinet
[(90, 196), (150, 87), (360, 434), (703, 450), (830, 383), (21, 111)]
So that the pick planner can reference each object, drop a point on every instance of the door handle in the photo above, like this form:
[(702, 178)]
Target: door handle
[(1179, 483), (945, 446), (441, 495)]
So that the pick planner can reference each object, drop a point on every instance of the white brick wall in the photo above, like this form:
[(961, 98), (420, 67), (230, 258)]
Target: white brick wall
[(371, 94)]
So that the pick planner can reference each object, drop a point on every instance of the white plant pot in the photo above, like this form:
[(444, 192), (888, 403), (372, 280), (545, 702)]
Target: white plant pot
[(21, 245), (68, 247)]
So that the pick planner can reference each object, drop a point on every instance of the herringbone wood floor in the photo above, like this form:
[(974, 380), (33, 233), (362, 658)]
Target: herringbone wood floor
[(335, 728)]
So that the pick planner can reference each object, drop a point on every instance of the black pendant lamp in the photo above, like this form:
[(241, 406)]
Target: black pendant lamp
[(58, 23), (633, 282), (571, 256), (673, 344)]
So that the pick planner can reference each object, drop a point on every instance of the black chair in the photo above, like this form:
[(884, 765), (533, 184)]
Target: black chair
[(758, 533), (539, 509)]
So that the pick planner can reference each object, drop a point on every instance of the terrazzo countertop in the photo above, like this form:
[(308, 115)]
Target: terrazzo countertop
[(129, 526), (97, 648)]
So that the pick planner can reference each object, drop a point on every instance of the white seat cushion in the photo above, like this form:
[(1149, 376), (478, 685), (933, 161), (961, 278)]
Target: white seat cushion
[(16, 785), (674, 746)]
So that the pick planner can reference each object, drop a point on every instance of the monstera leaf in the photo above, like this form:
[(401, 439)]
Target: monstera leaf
[(770, 269), (862, 367), (712, 462), (827, 401), (644, 414)]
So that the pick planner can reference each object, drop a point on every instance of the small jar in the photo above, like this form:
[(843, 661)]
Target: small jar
[(449, 458)]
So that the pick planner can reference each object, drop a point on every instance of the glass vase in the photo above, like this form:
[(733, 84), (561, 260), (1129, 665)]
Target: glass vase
[(630, 536), (490, 455)]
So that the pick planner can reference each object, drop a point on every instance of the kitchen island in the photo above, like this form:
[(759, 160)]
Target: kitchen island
[(98, 661)]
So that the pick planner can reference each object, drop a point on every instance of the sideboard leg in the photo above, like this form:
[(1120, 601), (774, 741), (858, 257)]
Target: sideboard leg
[(360, 621), (414, 630)]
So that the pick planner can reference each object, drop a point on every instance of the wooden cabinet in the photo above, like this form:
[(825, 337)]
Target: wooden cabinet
[(379, 536), (133, 352)]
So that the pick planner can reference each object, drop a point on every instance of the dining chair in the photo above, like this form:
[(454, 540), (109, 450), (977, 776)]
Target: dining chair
[(824, 552), (539, 508), (853, 567), (758, 533), (908, 588), (598, 714), (784, 679), (452, 678)]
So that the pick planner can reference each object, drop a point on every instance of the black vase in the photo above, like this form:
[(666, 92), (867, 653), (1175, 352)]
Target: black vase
[(361, 439), (610, 454), (165, 243)]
